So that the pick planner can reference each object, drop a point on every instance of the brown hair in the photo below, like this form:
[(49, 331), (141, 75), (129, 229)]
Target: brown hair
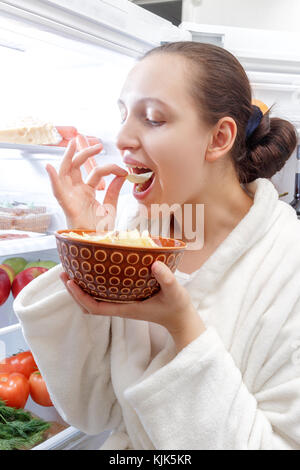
[(221, 88)]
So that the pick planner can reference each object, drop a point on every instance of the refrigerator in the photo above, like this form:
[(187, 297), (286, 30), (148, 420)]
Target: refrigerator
[(65, 61)]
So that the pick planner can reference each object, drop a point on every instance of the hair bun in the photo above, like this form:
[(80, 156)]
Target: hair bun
[(268, 148)]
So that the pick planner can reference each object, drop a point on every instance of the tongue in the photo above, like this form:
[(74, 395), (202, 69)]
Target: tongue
[(139, 171)]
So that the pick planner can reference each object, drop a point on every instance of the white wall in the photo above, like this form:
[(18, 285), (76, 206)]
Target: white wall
[(281, 15)]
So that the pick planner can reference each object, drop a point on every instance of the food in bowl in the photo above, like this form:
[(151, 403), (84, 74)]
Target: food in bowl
[(124, 237), (115, 266)]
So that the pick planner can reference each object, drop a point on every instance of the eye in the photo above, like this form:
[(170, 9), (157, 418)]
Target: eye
[(154, 123), (122, 115)]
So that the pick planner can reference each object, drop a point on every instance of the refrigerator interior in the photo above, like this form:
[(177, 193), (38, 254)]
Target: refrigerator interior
[(62, 81), (66, 82)]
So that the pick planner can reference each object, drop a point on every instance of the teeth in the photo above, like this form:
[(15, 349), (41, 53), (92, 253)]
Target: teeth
[(142, 178), (135, 166)]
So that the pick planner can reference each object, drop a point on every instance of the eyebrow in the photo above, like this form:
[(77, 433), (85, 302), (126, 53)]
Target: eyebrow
[(148, 100)]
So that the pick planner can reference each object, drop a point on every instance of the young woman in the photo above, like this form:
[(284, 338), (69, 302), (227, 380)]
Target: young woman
[(213, 360)]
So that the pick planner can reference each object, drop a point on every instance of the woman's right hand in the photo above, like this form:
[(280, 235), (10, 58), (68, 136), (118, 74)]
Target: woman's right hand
[(78, 198)]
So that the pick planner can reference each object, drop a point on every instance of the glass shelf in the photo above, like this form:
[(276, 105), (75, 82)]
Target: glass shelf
[(40, 152), (33, 151), (27, 245)]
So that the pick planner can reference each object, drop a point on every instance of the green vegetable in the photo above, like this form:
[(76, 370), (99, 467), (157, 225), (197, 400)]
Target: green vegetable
[(18, 429)]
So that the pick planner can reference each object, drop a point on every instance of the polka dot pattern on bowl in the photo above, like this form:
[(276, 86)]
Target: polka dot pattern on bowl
[(115, 273)]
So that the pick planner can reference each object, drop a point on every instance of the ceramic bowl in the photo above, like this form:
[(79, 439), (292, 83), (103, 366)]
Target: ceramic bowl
[(116, 273)]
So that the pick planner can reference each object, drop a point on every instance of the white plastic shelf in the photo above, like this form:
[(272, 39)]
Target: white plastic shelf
[(27, 245), (33, 151)]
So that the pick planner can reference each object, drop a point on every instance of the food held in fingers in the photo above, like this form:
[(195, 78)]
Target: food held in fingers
[(141, 177)]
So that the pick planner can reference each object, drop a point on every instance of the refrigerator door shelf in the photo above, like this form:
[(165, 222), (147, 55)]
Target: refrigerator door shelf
[(26, 245), (12, 341), (33, 151), (73, 439)]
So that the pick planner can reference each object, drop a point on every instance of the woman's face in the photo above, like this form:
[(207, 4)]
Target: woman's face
[(161, 129)]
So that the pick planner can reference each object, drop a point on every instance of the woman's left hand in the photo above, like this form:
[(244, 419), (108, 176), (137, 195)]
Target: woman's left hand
[(171, 307)]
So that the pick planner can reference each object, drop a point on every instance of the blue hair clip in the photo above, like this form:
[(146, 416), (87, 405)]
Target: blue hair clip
[(254, 121)]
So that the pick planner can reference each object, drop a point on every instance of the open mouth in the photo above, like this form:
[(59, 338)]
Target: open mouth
[(141, 177), (142, 187)]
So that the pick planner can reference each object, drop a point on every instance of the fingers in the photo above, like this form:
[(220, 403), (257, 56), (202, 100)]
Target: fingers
[(64, 277), (113, 191), (85, 301), (168, 282), (91, 306), (55, 182), (105, 170), (66, 164), (81, 142), (82, 156)]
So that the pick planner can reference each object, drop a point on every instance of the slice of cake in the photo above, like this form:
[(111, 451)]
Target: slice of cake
[(29, 131)]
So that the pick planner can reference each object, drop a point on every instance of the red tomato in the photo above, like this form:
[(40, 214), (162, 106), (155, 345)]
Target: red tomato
[(14, 389), (5, 366), (38, 390), (23, 363)]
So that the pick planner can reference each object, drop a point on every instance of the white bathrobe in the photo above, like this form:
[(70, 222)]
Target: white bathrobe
[(237, 386)]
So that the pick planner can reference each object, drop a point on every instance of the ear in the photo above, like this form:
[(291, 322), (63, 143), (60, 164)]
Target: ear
[(222, 139)]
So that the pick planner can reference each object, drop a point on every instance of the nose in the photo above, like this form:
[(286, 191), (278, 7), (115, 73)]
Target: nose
[(127, 137)]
